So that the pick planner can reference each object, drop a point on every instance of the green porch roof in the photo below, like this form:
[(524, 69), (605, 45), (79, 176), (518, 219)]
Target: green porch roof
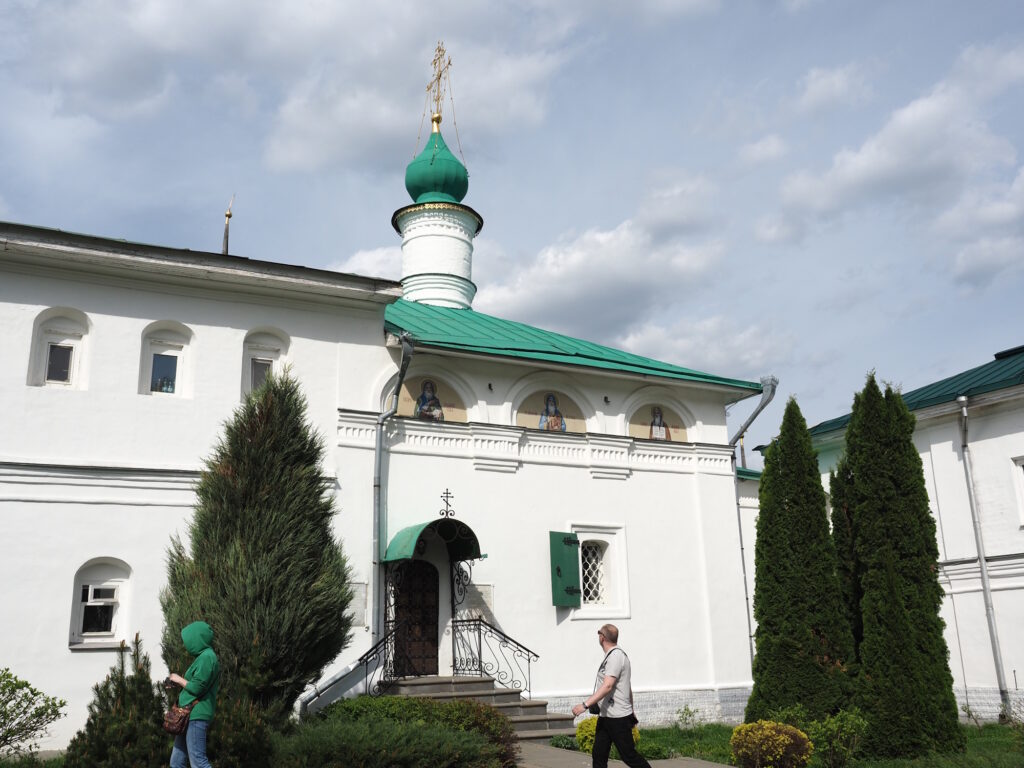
[(1006, 370), (474, 332), (461, 542)]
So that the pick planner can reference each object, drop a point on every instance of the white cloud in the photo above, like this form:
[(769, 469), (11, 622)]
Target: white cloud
[(376, 262), (771, 147), (985, 208), (825, 88), (716, 344), (683, 206), (778, 229), (601, 282), (925, 152), (979, 263)]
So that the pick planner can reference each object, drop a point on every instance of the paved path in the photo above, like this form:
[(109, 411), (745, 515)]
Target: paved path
[(544, 756)]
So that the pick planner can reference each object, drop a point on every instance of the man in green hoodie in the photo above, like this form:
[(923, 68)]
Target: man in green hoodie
[(199, 685)]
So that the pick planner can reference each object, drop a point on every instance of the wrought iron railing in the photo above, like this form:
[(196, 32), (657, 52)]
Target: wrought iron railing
[(481, 649), (378, 663)]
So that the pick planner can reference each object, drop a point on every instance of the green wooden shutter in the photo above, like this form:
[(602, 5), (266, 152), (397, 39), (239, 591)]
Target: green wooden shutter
[(565, 569)]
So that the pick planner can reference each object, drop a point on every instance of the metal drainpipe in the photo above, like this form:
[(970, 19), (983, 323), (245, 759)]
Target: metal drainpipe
[(986, 589), (769, 384), (378, 521)]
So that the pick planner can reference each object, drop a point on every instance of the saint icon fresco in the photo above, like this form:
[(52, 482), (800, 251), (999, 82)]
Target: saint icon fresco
[(551, 418), (428, 407), (659, 429)]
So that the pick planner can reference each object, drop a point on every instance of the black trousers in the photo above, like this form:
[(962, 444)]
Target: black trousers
[(618, 731)]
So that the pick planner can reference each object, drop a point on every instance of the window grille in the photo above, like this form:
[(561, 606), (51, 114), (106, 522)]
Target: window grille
[(592, 561)]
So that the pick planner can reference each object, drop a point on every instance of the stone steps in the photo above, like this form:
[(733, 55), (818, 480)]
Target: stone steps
[(530, 718)]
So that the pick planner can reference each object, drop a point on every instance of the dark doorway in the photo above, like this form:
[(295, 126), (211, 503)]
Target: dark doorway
[(416, 607)]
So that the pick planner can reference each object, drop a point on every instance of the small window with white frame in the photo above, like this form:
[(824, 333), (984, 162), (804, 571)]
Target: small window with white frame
[(163, 369), (58, 349), (604, 575), (98, 608), (263, 354)]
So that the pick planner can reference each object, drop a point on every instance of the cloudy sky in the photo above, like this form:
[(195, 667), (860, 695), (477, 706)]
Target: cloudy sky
[(809, 188)]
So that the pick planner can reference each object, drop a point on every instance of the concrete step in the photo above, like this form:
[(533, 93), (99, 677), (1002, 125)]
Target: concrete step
[(496, 697), (540, 721), (412, 686), (543, 737)]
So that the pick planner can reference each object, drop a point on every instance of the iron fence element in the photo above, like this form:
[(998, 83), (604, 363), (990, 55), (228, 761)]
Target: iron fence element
[(481, 649), (378, 663)]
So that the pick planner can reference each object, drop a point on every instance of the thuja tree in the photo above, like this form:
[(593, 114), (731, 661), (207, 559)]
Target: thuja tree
[(262, 567), (847, 564), (803, 639), (124, 727), (893, 531)]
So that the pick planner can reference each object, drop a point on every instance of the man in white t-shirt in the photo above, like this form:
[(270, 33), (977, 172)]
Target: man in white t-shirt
[(613, 693)]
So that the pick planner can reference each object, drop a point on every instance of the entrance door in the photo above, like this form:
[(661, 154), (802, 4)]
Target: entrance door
[(416, 608)]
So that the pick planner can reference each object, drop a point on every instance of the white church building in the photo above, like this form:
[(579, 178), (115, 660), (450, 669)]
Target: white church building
[(522, 489)]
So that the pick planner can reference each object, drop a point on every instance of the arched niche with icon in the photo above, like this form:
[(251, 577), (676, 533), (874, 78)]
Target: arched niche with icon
[(430, 399), (552, 411), (657, 421)]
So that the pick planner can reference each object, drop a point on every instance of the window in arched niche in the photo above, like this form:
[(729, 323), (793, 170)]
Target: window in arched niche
[(58, 349), (430, 399), (552, 411), (99, 603), (164, 368), (264, 353), (657, 422)]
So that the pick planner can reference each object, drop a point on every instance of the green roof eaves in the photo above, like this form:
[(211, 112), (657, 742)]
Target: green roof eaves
[(747, 474), (473, 332)]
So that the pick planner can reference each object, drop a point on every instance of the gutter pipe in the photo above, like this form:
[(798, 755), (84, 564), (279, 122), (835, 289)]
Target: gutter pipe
[(986, 589), (378, 518), (769, 384)]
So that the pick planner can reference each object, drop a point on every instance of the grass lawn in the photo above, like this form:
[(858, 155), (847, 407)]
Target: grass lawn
[(993, 746)]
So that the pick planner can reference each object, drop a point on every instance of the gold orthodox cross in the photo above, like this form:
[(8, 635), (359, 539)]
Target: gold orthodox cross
[(442, 62)]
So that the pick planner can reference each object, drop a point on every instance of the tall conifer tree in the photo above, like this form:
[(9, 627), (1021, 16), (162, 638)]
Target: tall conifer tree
[(803, 640), (847, 565), (894, 531), (263, 567)]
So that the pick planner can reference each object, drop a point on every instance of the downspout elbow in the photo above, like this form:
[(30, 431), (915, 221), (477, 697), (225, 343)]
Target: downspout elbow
[(769, 384)]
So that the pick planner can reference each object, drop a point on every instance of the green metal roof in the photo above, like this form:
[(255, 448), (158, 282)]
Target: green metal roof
[(469, 331), (748, 474), (1006, 370), (458, 537)]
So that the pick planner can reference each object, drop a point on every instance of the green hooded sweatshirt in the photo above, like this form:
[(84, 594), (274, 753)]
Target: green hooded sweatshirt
[(204, 675)]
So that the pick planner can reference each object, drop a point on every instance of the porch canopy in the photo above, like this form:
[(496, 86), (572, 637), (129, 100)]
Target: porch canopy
[(458, 537)]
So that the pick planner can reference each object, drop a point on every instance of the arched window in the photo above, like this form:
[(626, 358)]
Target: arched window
[(264, 352), (164, 368), (58, 349), (99, 603), (592, 572)]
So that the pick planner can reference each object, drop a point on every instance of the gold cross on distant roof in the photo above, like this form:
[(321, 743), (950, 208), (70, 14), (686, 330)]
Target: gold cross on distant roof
[(442, 62)]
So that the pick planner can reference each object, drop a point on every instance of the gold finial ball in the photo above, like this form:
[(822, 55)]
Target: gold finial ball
[(436, 117)]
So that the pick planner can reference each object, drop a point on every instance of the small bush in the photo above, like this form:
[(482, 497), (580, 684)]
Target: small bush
[(687, 718), (25, 713), (837, 737), (383, 743), (239, 736), (767, 744), (561, 741), (125, 723), (466, 716)]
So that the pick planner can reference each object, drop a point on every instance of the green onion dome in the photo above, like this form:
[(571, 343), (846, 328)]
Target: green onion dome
[(436, 175)]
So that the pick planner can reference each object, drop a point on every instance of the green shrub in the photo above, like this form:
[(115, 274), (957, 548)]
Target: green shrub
[(837, 737), (561, 741), (125, 723), (384, 743), (25, 713), (767, 744), (239, 736), (466, 716)]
